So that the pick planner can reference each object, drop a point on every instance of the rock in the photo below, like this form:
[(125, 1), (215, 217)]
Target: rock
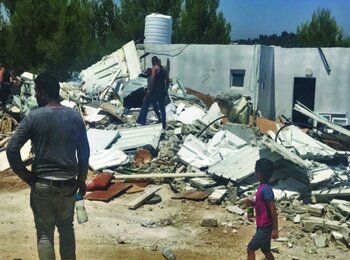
[(336, 235), (235, 210), (320, 239), (224, 224), (209, 221), (121, 240), (296, 203), (281, 239), (296, 219), (316, 210), (275, 249), (290, 245)]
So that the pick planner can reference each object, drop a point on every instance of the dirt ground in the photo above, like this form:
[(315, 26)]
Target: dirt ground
[(177, 226)]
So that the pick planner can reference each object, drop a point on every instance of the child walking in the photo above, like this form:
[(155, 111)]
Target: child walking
[(265, 212)]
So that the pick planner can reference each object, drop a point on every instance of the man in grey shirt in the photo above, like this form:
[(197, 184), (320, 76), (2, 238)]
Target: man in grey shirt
[(59, 169)]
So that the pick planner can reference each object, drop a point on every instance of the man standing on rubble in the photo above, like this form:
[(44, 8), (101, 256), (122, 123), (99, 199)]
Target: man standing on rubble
[(59, 169), (156, 92), (5, 86)]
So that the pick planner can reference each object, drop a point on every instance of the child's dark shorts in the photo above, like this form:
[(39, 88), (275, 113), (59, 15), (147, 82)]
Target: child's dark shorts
[(261, 239)]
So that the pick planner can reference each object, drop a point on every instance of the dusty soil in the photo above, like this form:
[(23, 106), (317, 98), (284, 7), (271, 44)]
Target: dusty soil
[(178, 227)]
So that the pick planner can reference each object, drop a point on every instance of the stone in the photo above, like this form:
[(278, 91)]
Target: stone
[(336, 235), (275, 249), (236, 210), (316, 210), (296, 219), (209, 221), (281, 239), (320, 239)]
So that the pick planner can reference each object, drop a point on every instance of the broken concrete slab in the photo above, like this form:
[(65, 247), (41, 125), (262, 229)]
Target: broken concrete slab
[(217, 196), (287, 154), (112, 110), (192, 195), (311, 224), (325, 195), (307, 112), (316, 210), (305, 146), (209, 221), (202, 183), (236, 210), (320, 239)]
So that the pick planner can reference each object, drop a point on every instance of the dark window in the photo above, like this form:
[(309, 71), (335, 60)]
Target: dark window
[(237, 78)]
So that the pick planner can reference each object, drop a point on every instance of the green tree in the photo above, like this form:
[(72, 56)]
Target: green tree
[(52, 35), (200, 22), (321, 31), (107, 26)]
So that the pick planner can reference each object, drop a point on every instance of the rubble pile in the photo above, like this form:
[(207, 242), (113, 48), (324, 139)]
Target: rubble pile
[(207, 152)]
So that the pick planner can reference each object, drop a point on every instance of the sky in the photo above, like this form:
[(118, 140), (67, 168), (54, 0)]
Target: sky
[(250, 18)]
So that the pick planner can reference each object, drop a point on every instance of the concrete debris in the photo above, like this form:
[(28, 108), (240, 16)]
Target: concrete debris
[(217, 196), (316, 210), (320, 239), (209, 221), (236, 210)]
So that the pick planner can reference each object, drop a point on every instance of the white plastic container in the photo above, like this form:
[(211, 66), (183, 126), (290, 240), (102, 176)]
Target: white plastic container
[(80, 209), (158, 28)]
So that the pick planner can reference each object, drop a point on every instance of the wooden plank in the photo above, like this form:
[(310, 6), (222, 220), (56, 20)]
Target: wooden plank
[(160, 175), (139, 200), (192, 195)]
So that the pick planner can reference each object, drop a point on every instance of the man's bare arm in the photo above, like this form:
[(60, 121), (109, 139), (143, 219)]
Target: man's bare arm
[(272, 207)]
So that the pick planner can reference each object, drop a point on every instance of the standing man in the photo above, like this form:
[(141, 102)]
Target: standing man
[(60, 166), (156, 92), (5, 86)]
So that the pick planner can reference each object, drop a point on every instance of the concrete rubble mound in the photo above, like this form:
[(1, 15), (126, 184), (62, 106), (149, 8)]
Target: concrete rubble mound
[(207, 152)]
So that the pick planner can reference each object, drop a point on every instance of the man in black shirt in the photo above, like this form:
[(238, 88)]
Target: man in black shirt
[(59, 169), (156, 92)]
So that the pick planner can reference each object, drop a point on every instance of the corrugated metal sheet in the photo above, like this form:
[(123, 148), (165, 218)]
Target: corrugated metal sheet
[(107, 158), (240, 164), (123, 63), (100, 139), (132, 138)]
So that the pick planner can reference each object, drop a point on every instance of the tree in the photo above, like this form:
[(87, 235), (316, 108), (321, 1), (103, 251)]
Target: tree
[(201, 23), (321, 31), (54, 35)]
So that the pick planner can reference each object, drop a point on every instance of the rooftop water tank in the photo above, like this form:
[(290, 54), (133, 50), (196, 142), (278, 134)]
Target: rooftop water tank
[(158, 29)]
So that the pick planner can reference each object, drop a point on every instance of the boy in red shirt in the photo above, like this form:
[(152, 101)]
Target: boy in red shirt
[(265, 211)]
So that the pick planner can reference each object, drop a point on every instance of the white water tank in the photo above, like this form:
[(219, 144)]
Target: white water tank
[(158, 29)]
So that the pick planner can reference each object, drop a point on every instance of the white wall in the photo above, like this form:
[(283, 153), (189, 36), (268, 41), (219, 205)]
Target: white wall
[(332, 92), (206, 68)]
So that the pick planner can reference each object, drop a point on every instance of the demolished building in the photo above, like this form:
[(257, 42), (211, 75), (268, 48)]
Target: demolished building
[(216, 138)]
